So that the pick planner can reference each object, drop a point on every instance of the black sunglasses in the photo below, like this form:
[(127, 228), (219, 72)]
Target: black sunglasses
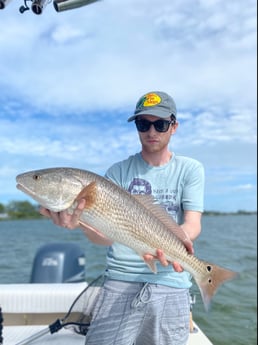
[(160, 125)]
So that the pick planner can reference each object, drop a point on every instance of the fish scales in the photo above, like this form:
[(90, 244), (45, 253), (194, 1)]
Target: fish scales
[(135, 221), (121, 223)]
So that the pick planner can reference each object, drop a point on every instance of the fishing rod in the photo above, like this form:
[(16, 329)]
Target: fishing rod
[(80, 327), (38, 6)]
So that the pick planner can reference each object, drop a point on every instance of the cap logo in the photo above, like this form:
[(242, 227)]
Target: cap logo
[(149, 100)]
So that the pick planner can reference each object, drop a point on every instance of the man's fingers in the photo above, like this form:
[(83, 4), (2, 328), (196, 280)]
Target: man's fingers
[(189, 246), (148, 257), (45, 212), (161, 257), (49, 214), (177, 267), (64, 218), (59, 218)]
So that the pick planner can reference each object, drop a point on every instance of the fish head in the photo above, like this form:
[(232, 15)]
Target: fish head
[(53, 188)]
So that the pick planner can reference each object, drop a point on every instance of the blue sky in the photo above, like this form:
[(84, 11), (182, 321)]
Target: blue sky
[(70, 80)]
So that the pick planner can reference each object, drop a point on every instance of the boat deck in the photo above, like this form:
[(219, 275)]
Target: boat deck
[(13, 335)]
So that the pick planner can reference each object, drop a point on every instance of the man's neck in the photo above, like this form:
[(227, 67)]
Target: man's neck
[(156, 158)]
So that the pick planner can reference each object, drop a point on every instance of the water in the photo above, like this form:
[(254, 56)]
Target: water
[(229, 241)]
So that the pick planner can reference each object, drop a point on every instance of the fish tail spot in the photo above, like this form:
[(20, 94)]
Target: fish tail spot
[(209, 268), (210, 282)]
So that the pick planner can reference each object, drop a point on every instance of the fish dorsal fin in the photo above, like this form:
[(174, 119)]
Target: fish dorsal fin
[(88, 193), (159, 212)]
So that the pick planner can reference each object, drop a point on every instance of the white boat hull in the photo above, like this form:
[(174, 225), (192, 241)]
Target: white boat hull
[(28, 310)]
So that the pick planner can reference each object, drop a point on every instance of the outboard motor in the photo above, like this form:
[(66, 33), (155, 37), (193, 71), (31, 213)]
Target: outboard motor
[(58, 263)]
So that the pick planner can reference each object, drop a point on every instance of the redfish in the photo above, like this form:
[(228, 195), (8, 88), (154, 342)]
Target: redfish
[(132, 220)]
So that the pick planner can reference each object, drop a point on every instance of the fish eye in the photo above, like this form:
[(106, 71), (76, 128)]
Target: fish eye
[(36, 177)]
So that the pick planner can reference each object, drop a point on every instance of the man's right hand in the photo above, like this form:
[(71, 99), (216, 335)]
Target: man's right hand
[(72, 221), (64, 218)]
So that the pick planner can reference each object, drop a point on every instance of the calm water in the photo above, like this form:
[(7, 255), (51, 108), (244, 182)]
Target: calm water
[(229, 241)]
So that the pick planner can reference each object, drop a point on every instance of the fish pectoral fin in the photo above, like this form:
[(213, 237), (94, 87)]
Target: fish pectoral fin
[(86, 225), (88, 193), (151, 264)]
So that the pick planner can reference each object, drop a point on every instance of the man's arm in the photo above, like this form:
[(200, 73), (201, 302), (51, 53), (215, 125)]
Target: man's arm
[(192, 224)]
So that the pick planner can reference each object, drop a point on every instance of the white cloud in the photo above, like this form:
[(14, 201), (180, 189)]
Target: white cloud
[(97, 48), (69, 81), (244, 187)]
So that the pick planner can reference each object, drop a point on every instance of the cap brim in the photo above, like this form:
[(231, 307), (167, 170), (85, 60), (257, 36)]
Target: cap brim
[(158, 113)]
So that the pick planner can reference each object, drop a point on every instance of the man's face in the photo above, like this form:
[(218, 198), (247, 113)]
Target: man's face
[(153, 141)]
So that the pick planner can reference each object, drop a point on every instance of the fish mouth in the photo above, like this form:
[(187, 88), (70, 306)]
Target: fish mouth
[(24, 189), (39, 200), (29, 193)]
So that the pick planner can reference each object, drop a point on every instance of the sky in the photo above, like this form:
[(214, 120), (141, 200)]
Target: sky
[(69, 80)]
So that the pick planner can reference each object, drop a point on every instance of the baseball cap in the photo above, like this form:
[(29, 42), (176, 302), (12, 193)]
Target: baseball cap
[(155, 103)]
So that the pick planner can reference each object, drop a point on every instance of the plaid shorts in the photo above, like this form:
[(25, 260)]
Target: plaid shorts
[(140, 314)]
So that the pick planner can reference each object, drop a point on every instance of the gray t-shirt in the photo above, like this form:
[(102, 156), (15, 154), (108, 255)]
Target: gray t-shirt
[(177, 186)]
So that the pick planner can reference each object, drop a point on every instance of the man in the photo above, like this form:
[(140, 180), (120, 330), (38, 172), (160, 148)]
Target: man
[(136, 306)]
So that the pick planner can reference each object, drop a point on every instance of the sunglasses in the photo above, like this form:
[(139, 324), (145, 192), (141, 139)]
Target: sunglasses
[(160, 125)]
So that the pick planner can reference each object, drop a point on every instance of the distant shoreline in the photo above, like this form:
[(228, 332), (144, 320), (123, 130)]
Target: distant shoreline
[(4, 216), (219, 213), (16, 210)]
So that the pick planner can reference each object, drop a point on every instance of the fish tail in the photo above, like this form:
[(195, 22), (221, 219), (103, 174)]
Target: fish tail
[(209, 284)]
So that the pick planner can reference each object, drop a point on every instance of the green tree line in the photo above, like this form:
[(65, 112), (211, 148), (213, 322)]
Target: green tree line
[(19, 210), (26, 210)]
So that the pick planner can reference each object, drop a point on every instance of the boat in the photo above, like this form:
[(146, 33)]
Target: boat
[(54, 307)]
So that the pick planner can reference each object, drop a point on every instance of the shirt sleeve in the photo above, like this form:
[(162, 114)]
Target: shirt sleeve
[(193, 193), (114, 174)]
